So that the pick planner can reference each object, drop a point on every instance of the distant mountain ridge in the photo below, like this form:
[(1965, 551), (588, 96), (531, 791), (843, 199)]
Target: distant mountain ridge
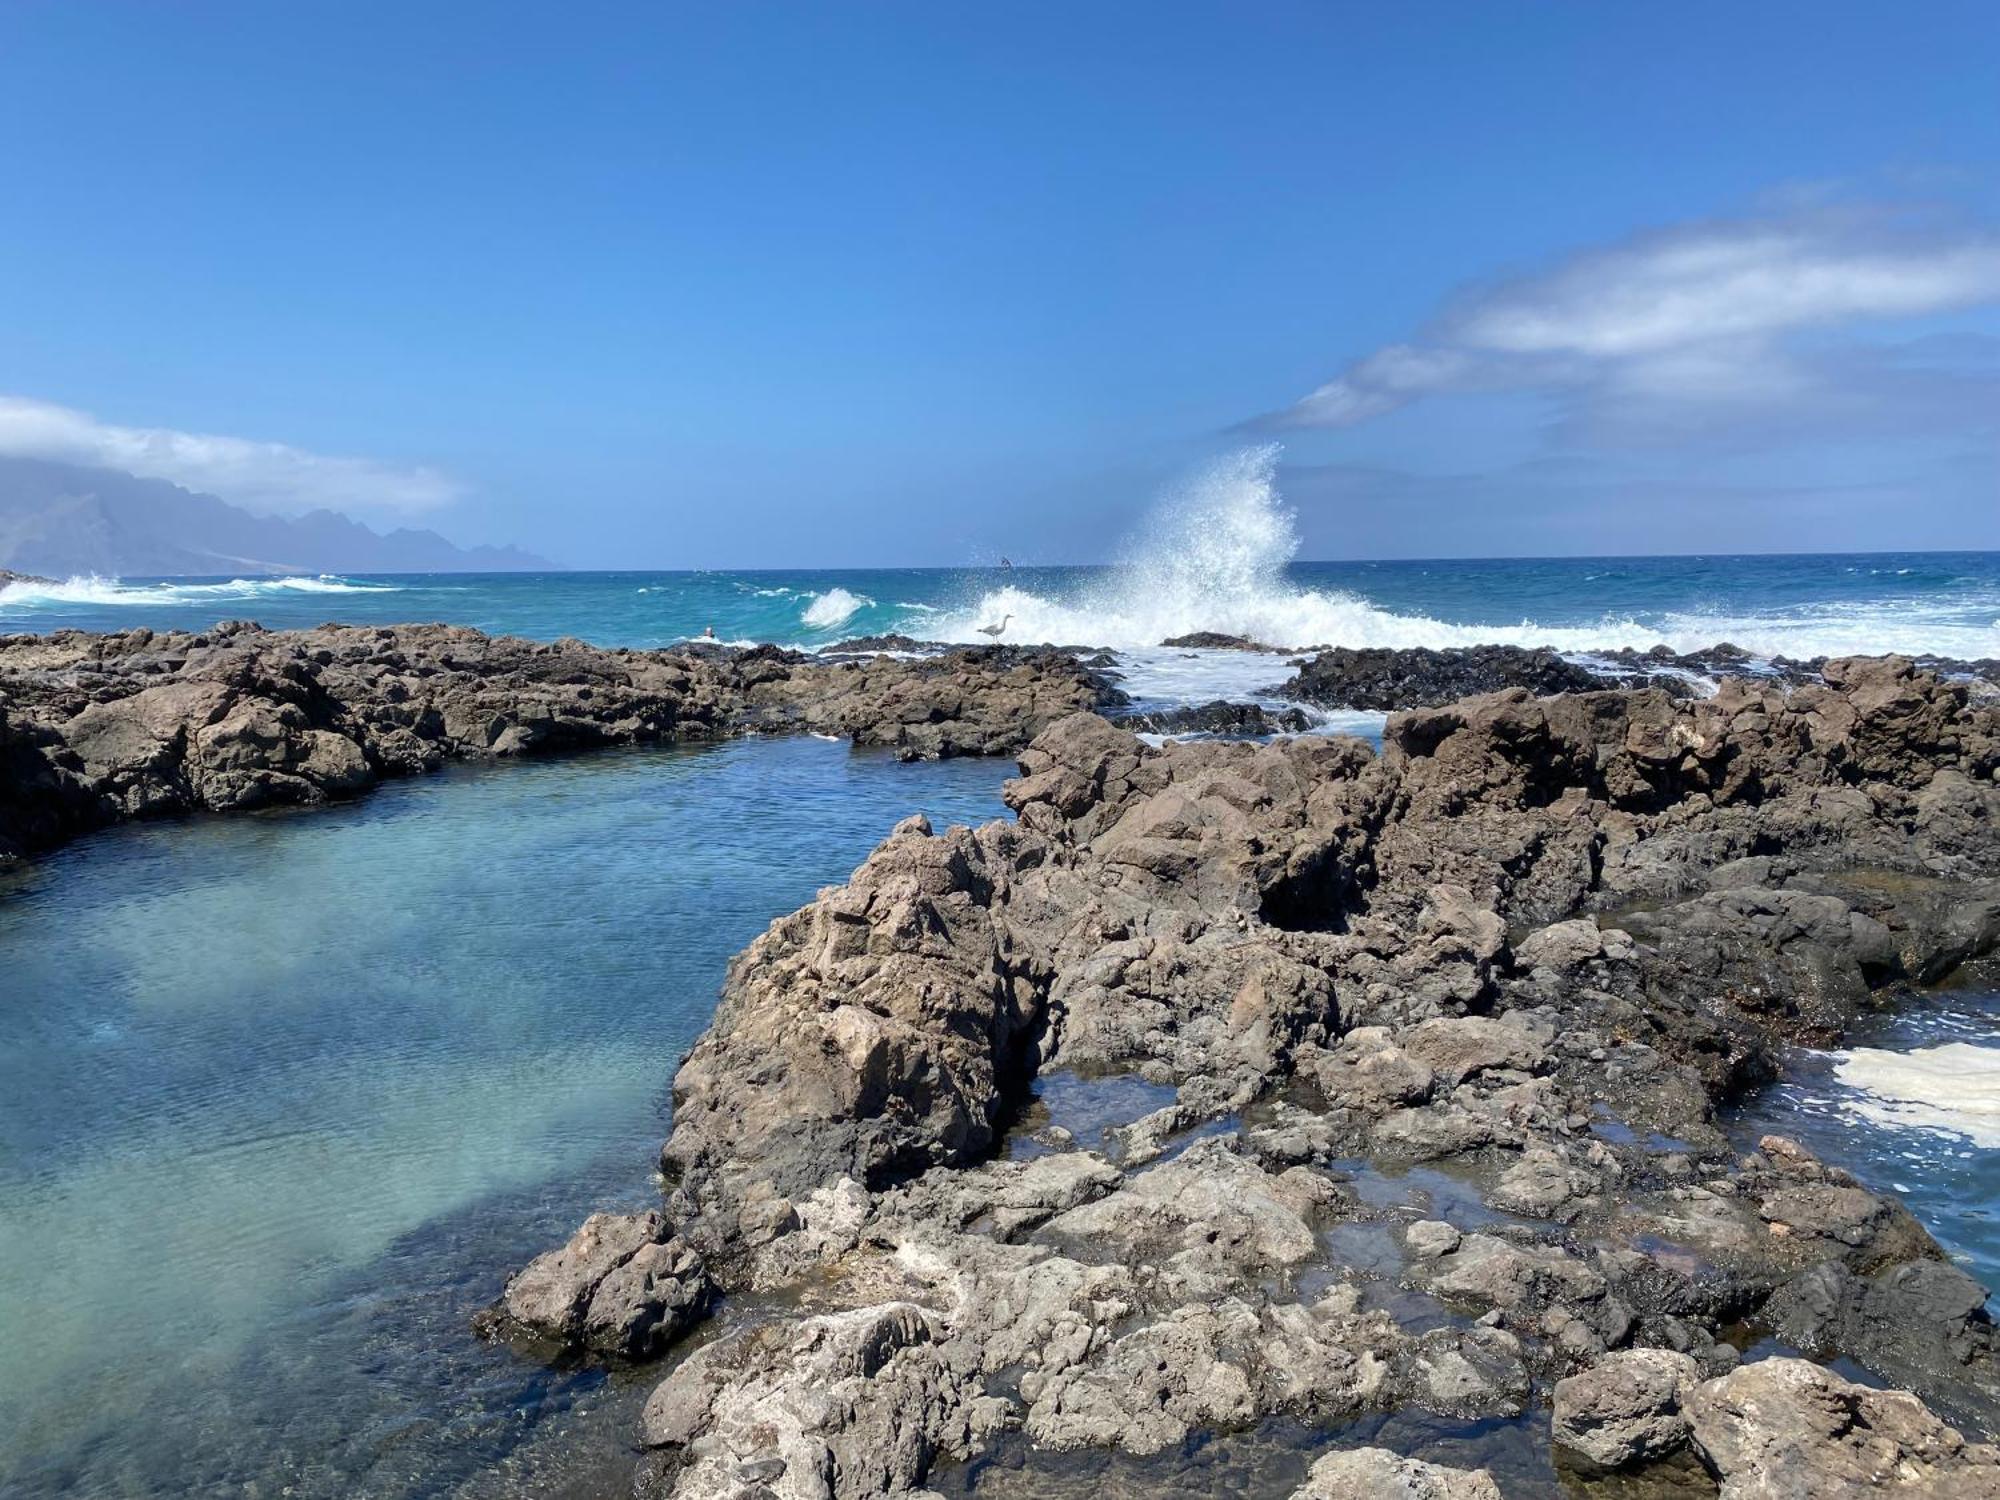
[(64, 520)]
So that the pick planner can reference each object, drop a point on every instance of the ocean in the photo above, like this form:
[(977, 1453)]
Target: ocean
[(284, 1098), (1219, 555)]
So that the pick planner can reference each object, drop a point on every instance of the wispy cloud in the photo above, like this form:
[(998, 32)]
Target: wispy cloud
[(1699, 327), (263, 476)]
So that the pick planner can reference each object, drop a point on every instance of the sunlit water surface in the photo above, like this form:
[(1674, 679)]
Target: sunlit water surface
[(284, 1098)]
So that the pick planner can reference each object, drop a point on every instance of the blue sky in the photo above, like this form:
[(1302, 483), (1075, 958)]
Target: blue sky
[(758, 284)]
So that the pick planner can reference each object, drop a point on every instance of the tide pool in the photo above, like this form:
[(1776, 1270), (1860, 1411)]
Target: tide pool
[(285, 1098)]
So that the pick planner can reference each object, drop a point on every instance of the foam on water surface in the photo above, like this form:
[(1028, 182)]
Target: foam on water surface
[(1953, 1088)]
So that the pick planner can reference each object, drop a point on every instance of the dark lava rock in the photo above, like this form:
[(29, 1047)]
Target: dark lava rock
[(1211, 640), (1383, 679), (1224, 720), (7, 578), (874, 645)]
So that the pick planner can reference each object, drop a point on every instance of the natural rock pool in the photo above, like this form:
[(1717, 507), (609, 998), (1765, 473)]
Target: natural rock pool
[(284, 1099)]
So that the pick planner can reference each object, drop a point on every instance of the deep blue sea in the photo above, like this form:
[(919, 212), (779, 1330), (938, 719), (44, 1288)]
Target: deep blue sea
[(283, 1098)]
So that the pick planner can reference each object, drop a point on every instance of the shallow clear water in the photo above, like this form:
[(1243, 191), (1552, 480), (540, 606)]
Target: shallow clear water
[(284, 1098)]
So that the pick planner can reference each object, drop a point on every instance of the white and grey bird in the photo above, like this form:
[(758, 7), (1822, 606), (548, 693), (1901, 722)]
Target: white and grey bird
[(996, 631)]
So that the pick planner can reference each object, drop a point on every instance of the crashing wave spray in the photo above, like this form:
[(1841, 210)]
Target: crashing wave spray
[(1213, 558), (833, 608)]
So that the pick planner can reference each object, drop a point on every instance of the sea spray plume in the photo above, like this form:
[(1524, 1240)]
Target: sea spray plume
[(1221, 540), (1213, 557)]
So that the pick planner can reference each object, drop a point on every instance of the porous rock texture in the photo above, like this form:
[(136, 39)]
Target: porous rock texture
[(1449, 1026), (99, 728)]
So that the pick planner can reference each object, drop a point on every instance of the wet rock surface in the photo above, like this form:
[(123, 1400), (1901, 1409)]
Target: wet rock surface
[(98, 728), (1448, 1029), (1220, 720), (1379, 1474)]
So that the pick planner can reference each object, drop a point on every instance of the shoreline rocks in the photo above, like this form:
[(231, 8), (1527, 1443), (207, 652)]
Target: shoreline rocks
[(95, 729), (1381, 679), (1450, 1028), (1385, 679), (1219, 720)]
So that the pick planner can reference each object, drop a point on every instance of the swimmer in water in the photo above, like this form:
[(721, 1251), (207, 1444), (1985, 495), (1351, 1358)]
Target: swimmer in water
[(708, 634)]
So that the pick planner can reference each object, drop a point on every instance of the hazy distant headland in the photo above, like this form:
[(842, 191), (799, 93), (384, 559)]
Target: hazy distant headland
[(63, 520)]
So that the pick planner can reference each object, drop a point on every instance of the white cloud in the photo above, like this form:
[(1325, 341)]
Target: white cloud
[(1703, 322), (262, 476)]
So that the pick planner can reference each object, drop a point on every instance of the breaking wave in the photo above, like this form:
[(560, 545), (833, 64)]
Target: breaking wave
[(1213, 557), (92, 589), (832, 608)]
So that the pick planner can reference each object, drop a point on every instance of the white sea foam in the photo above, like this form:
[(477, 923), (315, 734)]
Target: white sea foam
[(1213, 558), (92, 589), (832, 607), (1954, 1088)]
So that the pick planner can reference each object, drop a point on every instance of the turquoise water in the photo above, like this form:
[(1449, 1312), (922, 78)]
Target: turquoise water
[(1947, 603), (284, 1099)]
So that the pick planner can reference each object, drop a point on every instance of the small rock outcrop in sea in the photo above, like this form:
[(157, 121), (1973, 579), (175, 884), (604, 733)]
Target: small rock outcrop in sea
[(7, 578), (98, 728), (1220, 719), (1215, 640), (1447, 1030), (1382, 679)]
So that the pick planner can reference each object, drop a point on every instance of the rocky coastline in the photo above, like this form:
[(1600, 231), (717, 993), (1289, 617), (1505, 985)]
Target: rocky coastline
[(1234, 1086), (96, 729), (1436, 1046)]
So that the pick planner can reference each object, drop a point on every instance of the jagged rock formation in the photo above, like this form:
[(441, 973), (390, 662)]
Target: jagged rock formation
[(98, 728), (1448, 1026)]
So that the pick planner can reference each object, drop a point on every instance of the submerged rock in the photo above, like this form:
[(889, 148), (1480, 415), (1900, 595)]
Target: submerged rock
[(1379, 1474)]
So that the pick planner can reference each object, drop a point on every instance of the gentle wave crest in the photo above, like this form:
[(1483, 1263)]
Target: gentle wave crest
[(90, 588)]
